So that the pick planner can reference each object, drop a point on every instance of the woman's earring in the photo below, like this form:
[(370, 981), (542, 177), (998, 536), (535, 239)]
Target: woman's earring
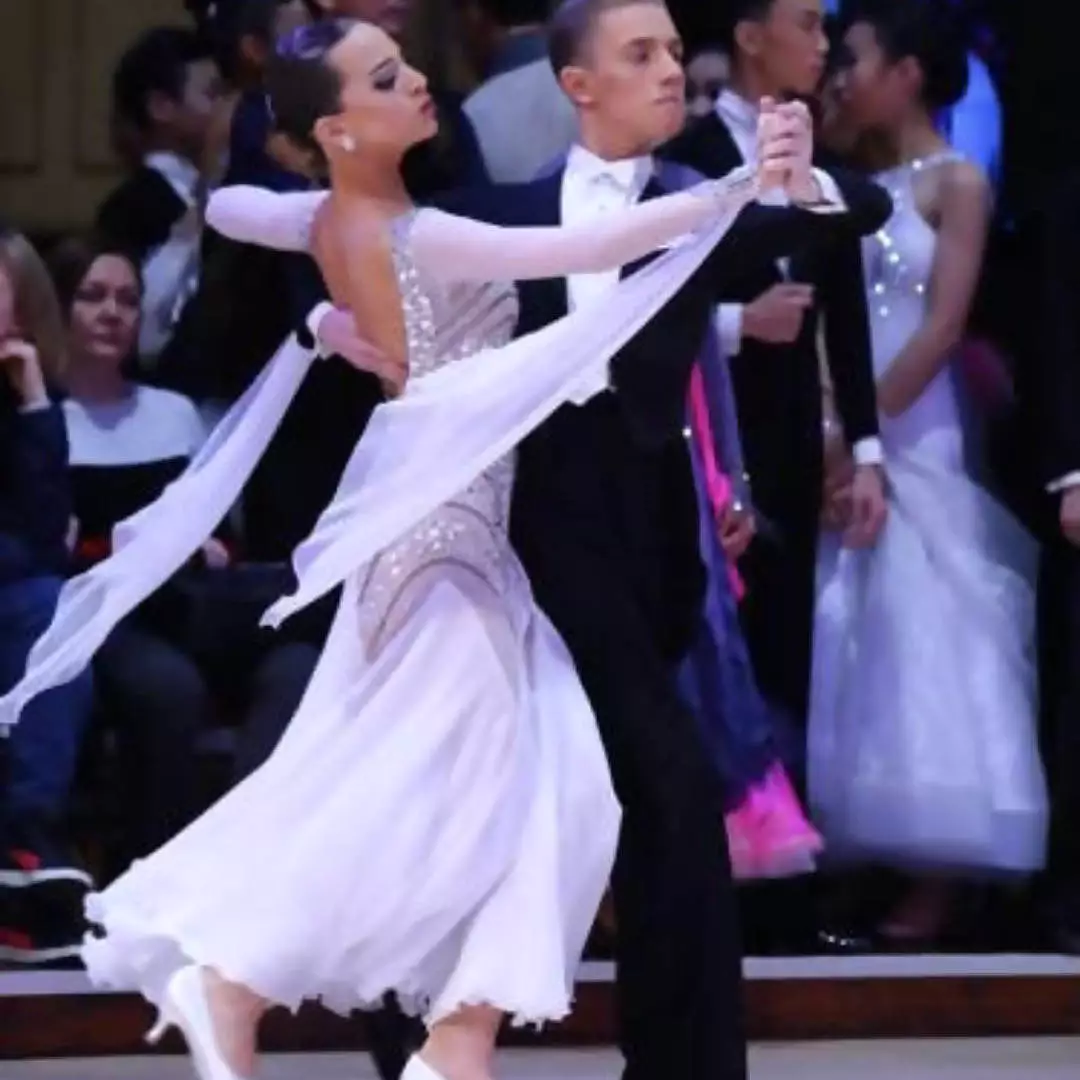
[(348, 144)]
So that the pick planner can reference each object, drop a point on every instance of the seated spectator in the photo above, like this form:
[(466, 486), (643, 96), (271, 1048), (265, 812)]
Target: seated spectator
[(128, 440), (41, 884), (164, 89)]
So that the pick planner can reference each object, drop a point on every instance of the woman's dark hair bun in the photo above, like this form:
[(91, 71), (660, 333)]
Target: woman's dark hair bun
[(301, 86)]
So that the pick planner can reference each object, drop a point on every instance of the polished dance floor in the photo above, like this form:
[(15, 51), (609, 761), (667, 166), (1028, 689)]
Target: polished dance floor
[(985, 1059)]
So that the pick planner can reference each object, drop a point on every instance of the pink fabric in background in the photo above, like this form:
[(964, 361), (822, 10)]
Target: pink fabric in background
[(717, 484)]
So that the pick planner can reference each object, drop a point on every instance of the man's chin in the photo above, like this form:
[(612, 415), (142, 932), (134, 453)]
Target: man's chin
[(807, 92), (668, 126)]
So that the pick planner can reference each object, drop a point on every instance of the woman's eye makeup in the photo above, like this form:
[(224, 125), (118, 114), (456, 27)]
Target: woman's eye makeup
[(385, 76)]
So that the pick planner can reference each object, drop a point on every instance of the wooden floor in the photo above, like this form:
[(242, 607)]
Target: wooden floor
[(1021, 1059), (57, 1014)]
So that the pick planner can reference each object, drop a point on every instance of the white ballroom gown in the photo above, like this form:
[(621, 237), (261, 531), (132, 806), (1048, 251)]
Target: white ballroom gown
[(922, 734), (439, 818)]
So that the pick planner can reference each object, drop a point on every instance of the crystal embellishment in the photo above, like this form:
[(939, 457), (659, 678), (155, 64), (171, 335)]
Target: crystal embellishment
[(445, 323)]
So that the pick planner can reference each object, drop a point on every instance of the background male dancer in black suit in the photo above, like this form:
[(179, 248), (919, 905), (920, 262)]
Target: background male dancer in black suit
[(770, 331)]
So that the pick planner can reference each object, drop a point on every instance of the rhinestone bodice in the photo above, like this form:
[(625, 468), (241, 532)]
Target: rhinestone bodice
[(898, 261), (446, 322)]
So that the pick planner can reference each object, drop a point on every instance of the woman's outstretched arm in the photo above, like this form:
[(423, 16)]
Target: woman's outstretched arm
[(460, 249), (253, 215)]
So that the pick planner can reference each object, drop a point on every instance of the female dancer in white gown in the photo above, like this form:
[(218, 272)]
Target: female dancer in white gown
[(922, 740), (438, 819)]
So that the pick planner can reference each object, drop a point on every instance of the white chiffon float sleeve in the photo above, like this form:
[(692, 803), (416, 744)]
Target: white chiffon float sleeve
[(152, 545), (253, 215), (460, 249)]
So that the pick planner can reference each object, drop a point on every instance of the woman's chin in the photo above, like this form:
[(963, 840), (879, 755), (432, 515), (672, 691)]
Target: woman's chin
[(106, 356)]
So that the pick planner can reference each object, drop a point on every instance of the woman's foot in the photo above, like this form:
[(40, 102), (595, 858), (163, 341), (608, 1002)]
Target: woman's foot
[(235, 1013), (459, 1047), (420, 1068), (218, 1020)]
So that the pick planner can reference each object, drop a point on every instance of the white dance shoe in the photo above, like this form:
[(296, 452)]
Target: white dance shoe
[(185, 1007), (418, 1069)]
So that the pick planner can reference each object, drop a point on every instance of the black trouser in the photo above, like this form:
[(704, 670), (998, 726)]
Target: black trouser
[(1059, 633), (677, 952), (778, 611)]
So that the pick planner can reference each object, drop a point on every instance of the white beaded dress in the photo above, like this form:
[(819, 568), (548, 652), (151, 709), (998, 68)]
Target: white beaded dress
[(922, 735), (438, 819)]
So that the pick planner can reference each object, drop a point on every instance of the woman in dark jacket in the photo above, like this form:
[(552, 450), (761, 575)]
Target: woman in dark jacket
[(41, 886)]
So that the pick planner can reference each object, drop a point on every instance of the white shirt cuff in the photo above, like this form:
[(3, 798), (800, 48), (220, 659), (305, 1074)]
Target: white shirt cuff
[(314, 321), (830, 192), (868, 452), (729, 327), (40, 405), (1064, 483)]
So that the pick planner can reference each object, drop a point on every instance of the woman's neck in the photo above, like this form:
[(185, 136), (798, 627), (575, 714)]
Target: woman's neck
[(90, 381), (914, 138), (377, 182), (752, 85)]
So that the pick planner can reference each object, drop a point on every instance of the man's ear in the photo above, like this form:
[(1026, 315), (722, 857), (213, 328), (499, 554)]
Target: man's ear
[(576, 84), (160, 108), (748, 37)]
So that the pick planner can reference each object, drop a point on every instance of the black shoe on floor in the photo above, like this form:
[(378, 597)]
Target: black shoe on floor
[(58, 948), (42, 893), (35, 855)]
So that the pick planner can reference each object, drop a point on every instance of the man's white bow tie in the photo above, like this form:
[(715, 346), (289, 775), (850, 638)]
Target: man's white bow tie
[(625, 176)]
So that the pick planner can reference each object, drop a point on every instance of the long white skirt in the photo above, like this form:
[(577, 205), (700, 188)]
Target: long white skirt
[(440, 823), (922, 740)]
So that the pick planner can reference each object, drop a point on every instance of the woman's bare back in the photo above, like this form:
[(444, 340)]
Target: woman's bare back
[(352, 245)]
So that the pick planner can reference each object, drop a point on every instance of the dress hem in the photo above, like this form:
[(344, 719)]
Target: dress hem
[(175, 951)]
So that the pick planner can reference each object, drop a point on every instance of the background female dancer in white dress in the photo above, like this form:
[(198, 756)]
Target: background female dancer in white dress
[(922, 742), (438, 820)]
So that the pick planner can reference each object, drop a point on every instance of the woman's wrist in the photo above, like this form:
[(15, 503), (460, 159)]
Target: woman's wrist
[(31, 389), (733, 191)]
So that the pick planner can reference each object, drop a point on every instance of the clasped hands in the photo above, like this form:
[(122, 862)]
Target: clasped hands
[(785, 135)]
